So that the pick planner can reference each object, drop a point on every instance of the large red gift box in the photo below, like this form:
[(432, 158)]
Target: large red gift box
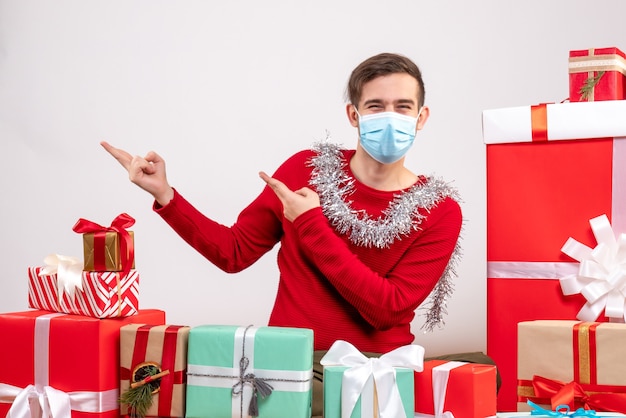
[(101, 295), (64, 361), (467, 390), (597, 74), (550, 169)]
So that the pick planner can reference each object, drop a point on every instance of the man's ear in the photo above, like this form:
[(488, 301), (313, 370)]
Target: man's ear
[(424, 114), (353, 117)]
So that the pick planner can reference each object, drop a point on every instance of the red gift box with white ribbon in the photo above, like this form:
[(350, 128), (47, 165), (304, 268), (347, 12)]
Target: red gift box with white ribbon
[(54, 364), (551, 168), (455, 388)]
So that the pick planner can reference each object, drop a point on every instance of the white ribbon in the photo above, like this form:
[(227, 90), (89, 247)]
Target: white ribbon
[(69, 271), (39, 400), (49, 402), (46, 403), (441, 375), (529, 269), (601, 276), (382, 370)]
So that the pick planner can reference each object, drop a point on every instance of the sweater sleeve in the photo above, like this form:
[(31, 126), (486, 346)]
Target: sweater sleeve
[(257, 229), (230, 248), (383, 301)]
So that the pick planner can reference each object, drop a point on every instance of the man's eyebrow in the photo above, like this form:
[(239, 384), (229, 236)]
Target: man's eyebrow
[(372, 101), (379, 101)]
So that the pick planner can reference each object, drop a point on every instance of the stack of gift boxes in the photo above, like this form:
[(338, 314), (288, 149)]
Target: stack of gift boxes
[(61, 358), (556, 249), (85, 349)]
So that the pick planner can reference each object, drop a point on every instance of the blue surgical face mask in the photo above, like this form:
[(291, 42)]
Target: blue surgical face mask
[(387, 136)]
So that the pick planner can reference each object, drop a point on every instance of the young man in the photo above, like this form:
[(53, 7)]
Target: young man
[(363, 240)]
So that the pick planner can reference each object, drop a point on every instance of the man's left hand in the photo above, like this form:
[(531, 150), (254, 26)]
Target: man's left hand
[(295, 203)]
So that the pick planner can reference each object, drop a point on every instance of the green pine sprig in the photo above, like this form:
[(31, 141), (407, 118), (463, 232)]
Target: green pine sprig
[(587, 88), (139, 397)]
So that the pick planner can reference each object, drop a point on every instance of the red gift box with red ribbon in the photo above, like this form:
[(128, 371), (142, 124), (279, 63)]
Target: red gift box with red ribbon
[(149, 350), (550, 169), (597, 74), (66, 362), (573, 363), (108, 248)]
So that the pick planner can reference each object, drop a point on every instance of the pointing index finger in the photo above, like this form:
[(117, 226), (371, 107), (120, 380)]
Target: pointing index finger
[(120, 155), (276, 185)]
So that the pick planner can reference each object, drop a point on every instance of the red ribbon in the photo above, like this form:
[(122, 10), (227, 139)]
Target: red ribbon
[(574, 395), (539, 122), (119, 225)]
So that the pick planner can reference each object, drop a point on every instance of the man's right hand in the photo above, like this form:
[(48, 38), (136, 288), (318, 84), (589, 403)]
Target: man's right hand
[(146, 172)]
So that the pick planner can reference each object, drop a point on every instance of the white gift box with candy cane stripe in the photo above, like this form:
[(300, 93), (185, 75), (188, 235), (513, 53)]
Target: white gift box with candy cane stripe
[(97, 294)]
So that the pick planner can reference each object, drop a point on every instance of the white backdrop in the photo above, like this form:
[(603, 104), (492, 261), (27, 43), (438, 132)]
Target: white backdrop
[(224, 89)]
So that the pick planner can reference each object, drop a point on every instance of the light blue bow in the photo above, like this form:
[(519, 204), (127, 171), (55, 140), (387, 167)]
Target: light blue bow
[(561, 411)]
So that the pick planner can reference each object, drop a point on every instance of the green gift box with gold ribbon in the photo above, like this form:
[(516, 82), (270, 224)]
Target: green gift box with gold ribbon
[(242, 371)]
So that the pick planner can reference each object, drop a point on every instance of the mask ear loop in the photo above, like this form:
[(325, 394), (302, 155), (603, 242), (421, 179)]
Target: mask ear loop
[(356, 111), (417, 119)]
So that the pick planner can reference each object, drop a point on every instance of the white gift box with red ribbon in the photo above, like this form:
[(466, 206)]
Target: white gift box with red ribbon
[(555, 122)]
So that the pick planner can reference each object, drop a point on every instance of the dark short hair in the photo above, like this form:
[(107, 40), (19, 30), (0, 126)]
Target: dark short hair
[(380, 65)]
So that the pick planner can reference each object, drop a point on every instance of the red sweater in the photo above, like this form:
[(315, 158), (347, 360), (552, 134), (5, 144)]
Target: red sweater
[(367, 296)]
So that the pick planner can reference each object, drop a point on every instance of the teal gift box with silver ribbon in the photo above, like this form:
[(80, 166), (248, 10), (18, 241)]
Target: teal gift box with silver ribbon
[(237, 372)]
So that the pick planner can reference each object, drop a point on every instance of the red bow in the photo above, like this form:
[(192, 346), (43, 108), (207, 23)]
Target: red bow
[(574, 395), (119, 225)]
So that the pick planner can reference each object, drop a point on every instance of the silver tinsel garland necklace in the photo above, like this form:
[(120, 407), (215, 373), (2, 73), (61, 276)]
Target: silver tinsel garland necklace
[(334, 187)]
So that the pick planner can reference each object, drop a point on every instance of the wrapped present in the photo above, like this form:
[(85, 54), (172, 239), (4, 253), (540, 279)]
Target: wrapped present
[(147, 351), (597, 74), (66, 364), (239, 371), (550, 169), (69, 289), (554, 122), (107, 248), (572, 363), (359, 387), (464, 390)]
